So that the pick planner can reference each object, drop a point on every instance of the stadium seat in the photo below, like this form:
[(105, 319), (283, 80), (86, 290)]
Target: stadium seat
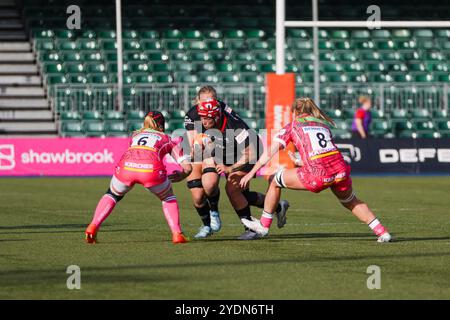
[(379, 128), (341, 133), (174, 124), (70, 115), (423, 125), (113, 116), (116, 129), (72, 129), (56, 79), (399, 114), (443, 125), (423, 33), (441, 114), (177, 114), (418, 114), (92, 116), (94, 129), (134, 125), (378, 114), (428, 135), (400, 125), (407, 133)]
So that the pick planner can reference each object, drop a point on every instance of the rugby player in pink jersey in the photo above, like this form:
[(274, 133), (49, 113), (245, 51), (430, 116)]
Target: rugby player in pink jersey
[(143, 163), (322, 167)]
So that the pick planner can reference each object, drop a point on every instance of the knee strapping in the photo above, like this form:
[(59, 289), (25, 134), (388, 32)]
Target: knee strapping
[(170, 198), (350, 198), (196, 183), (279, 179), (208, 170), (113, 195)]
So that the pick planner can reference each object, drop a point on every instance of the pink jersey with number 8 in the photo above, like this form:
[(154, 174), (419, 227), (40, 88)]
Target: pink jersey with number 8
[(323, 164)]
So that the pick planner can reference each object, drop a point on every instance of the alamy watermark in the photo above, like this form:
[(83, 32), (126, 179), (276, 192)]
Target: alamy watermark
[(74, 280), (374, 280), (74, 20), (373, 22)]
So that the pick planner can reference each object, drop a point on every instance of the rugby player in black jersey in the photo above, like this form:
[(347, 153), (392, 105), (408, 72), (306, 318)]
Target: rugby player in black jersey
[(228, 146)]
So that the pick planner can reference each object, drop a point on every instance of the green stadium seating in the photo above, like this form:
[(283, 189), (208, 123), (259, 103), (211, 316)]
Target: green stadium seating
[(72, 129), (177, 114), (149, 34), (298, 33), (380, 128), (441, 114), (234, 34), (64, 34), (399, 114), (420, 114), (423, 33), (174, 124), (56, 79), (381, 34), (92, 116), (341, 133), (70, 115), (401, 34), (213, 34), (165, 44), (378, 114), (116, 129), (193, 34), (94, 129), (407, 133), (135, 115), (340, 34), (360, 34), (443, 126), (428, 134), (422, 123), (113, 116)]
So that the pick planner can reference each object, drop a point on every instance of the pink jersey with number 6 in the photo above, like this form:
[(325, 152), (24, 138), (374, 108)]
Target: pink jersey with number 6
[(143, 161)]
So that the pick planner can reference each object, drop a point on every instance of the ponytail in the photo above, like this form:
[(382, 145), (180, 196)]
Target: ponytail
[(150, 123), (307, 106)]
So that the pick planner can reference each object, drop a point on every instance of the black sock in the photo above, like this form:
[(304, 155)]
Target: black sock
[(278, 209), (254, 198), (203, 212), (244, 213), (214, 201)]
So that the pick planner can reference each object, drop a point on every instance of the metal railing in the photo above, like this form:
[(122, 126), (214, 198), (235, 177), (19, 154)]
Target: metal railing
[(169, 97), (245, 96)]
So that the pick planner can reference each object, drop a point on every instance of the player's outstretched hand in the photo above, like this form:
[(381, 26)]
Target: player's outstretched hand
[(221, 168), (245, 181), (176, 176)]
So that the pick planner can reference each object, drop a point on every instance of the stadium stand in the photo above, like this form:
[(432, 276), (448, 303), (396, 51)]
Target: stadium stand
[(406, 71), (24, 108)]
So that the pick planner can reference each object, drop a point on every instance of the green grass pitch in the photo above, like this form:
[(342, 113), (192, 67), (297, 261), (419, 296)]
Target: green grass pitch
[(322, 253)]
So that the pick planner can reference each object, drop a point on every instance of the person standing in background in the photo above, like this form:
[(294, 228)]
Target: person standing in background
[(362, 118)]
